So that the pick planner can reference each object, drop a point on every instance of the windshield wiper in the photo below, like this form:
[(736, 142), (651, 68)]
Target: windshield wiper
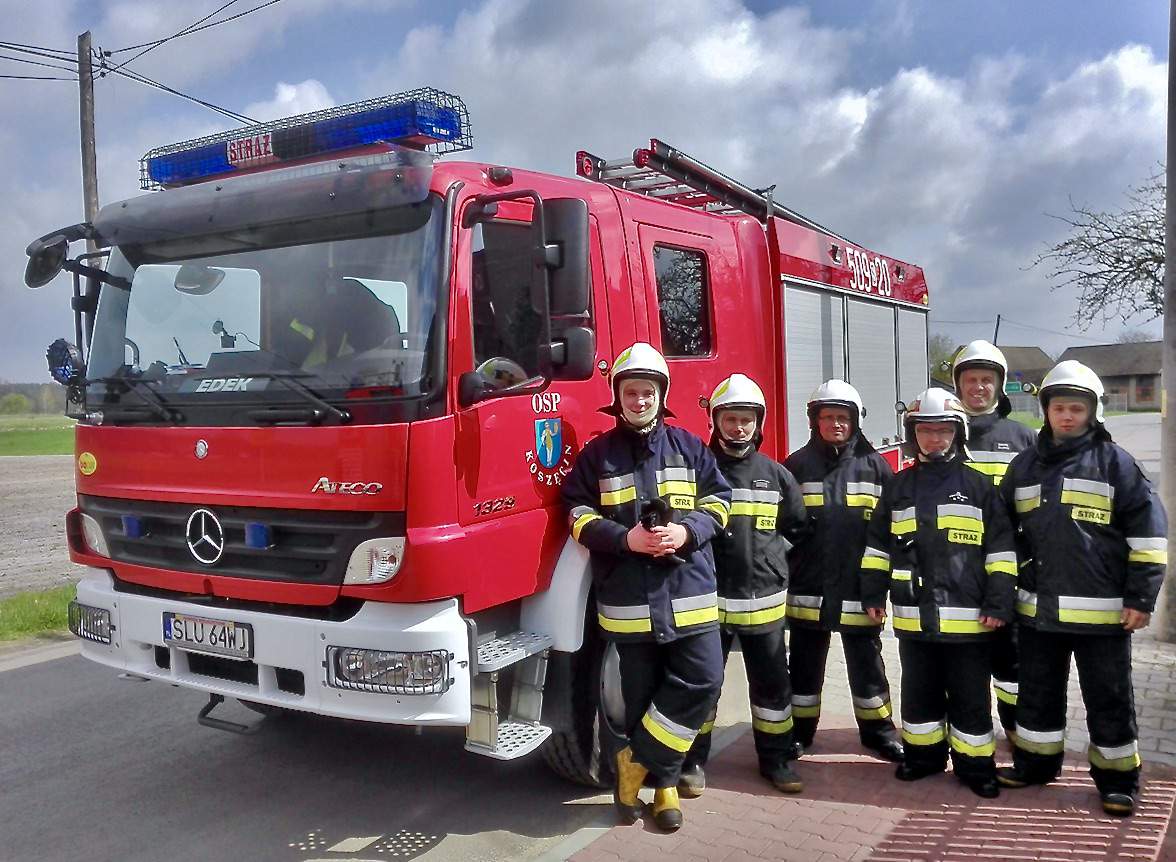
[(291, 380), (141, 386)]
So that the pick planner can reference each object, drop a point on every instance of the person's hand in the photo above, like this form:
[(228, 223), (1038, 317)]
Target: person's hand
[(991, 622), (1134, 620), (671, 537), (641, 541), (878, 615)]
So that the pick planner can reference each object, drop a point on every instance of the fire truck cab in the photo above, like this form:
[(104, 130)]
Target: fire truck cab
[(328, 387)]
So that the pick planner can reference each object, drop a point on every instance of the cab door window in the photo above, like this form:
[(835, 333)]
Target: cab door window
[(506, 327), (683, 298)]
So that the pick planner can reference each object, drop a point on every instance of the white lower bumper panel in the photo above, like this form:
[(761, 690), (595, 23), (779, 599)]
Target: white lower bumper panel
[(292, 644)]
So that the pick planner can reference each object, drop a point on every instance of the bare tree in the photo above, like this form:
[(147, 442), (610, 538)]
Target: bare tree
[(1133, 336), (1114, 260)]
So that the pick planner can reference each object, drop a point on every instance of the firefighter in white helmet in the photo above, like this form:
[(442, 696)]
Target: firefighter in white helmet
[(979, 371), (841, 478), (646, 499), (941, 545), (751, 562), (1095, 545)]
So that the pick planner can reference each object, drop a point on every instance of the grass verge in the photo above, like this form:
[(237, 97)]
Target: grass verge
[(27, 614), (36, 434)]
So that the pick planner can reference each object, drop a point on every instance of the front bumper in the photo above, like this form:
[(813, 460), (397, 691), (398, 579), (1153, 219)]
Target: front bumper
[(283, 644)]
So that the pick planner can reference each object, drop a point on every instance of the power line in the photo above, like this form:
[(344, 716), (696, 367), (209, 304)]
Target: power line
[(36, 51), (143, 79), (195, 29), (36, 63), (36, 78), (1053, 331), (185, 31)]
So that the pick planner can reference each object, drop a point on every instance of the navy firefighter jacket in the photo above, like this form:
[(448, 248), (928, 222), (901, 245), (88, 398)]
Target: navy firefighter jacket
[(941, 544), (640, 597), (751, 554), (1094, 535), (994, 441)]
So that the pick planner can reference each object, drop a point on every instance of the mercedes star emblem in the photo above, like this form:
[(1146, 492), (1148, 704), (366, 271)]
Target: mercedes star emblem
[(206, 536), (201, 449)]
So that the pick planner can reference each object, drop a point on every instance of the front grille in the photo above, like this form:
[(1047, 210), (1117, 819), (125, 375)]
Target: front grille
[(309, 546)]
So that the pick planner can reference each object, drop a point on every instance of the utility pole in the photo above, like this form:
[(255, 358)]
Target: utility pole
[(86, 112), (996, 332), (1166, 607)]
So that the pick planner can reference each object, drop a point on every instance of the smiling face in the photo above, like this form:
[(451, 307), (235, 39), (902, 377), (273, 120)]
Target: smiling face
[(640, 399), (1068, 417), (737, 424), (834, 424), (978, 388)]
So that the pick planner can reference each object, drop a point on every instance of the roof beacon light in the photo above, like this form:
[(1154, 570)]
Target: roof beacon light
[(422, 119)]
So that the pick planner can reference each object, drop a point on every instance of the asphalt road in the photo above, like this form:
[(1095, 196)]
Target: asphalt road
[(98, 768)]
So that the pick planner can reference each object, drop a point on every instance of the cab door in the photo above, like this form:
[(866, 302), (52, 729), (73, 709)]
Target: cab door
[(513, 452)]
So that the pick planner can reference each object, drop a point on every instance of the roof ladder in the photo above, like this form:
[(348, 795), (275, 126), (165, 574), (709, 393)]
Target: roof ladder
[(668, 174)]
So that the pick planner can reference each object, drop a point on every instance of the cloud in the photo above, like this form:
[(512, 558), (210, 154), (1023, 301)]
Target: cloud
[(291, 99)]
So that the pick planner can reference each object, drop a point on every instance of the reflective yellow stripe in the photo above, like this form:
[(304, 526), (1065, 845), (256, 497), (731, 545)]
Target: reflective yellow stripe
[(1085, 498), (1029, 505), (757, 510), (696, 617), (1037, 747), (986, 749), (1118, 764), (718, 510), (851, 619), (960, 522), (867, 500), (935, 736), (865, 714), (995, 469), (756, 618), (765, 726), (806, 711), (901, 528), (1005, 696), (799, 613), (962, 627), (624, 626), (581, 522), (707, 727), (664, 489), (302, 329), (1002, 567), (907, 624), (663, 736), (878, 563), (1074, 615), (616, 498), (814, 499), (1160, 557)]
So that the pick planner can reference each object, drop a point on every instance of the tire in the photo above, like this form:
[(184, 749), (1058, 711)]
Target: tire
[(583, 752)]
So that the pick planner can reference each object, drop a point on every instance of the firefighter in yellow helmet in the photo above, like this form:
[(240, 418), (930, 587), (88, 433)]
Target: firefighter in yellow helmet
[(751, 560), (1095, 544), (980, 371), (941, 545), (646, 499)]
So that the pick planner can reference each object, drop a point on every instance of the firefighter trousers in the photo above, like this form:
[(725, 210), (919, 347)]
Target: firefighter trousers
[(1104, 674), (946, 706), (765, 658), (669, 691), (809, 649), (1004, 676)]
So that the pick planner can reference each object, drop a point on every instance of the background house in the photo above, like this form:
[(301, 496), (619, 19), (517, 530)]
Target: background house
[(1130, 372)]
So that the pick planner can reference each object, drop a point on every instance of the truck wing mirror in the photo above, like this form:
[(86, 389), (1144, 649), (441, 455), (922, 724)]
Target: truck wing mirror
[(573, 353), (46, 260), (565, 223)]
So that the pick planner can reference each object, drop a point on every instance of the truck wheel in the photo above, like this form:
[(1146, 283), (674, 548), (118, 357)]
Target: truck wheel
[(583, 753)]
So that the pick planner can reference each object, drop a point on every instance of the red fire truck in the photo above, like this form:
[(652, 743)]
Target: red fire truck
[(328, 386)]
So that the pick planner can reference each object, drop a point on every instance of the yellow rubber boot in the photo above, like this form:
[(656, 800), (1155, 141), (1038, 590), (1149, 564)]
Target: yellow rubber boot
[(667, 813), (630, 776)]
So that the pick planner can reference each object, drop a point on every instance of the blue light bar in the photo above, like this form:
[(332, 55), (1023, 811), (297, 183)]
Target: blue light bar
[(424, 119)]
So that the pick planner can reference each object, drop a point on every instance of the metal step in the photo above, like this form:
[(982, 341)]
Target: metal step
[(515, 739), (497, 653)]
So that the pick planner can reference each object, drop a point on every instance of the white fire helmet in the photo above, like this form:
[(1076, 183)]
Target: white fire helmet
[(640, 360), (936, 405), (980, 354), (739, 391), (836, 393), (1072, 378)]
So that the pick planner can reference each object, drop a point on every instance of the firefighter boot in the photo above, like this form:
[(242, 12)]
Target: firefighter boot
[(1118, 804), (691, 782), (783, 778), (667, 813), (630, 775)]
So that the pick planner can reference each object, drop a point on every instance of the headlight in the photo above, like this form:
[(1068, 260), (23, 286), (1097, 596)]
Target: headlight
[(92, 533), (375, 561), (90, 623), (387, 672)]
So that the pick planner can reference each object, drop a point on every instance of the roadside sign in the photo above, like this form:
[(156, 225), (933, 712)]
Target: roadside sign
[(1013, 387)]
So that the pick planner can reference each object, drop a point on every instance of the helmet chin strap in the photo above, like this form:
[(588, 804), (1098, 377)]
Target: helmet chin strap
[(739, 450), (943, 455)]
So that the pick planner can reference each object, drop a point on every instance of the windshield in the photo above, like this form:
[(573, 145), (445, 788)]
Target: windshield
[(347, 307)]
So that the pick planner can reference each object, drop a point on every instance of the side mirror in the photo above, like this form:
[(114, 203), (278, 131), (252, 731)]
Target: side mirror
[(46, 260), (565, 223), (198, 280), (573, 353), (473, 387)]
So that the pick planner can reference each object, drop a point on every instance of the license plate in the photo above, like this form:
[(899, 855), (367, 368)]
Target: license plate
[(199, 634)]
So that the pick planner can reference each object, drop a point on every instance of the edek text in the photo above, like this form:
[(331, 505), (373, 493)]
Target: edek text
[(224, 384)]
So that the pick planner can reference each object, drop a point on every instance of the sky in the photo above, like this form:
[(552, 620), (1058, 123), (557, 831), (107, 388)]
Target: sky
[(948, 133)]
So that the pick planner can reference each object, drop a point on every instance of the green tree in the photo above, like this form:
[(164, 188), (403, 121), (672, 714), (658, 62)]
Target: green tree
[(1114, 260), (14, 402)]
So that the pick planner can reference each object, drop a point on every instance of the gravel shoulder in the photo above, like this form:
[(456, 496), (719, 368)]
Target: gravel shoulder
[(36, 492)]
